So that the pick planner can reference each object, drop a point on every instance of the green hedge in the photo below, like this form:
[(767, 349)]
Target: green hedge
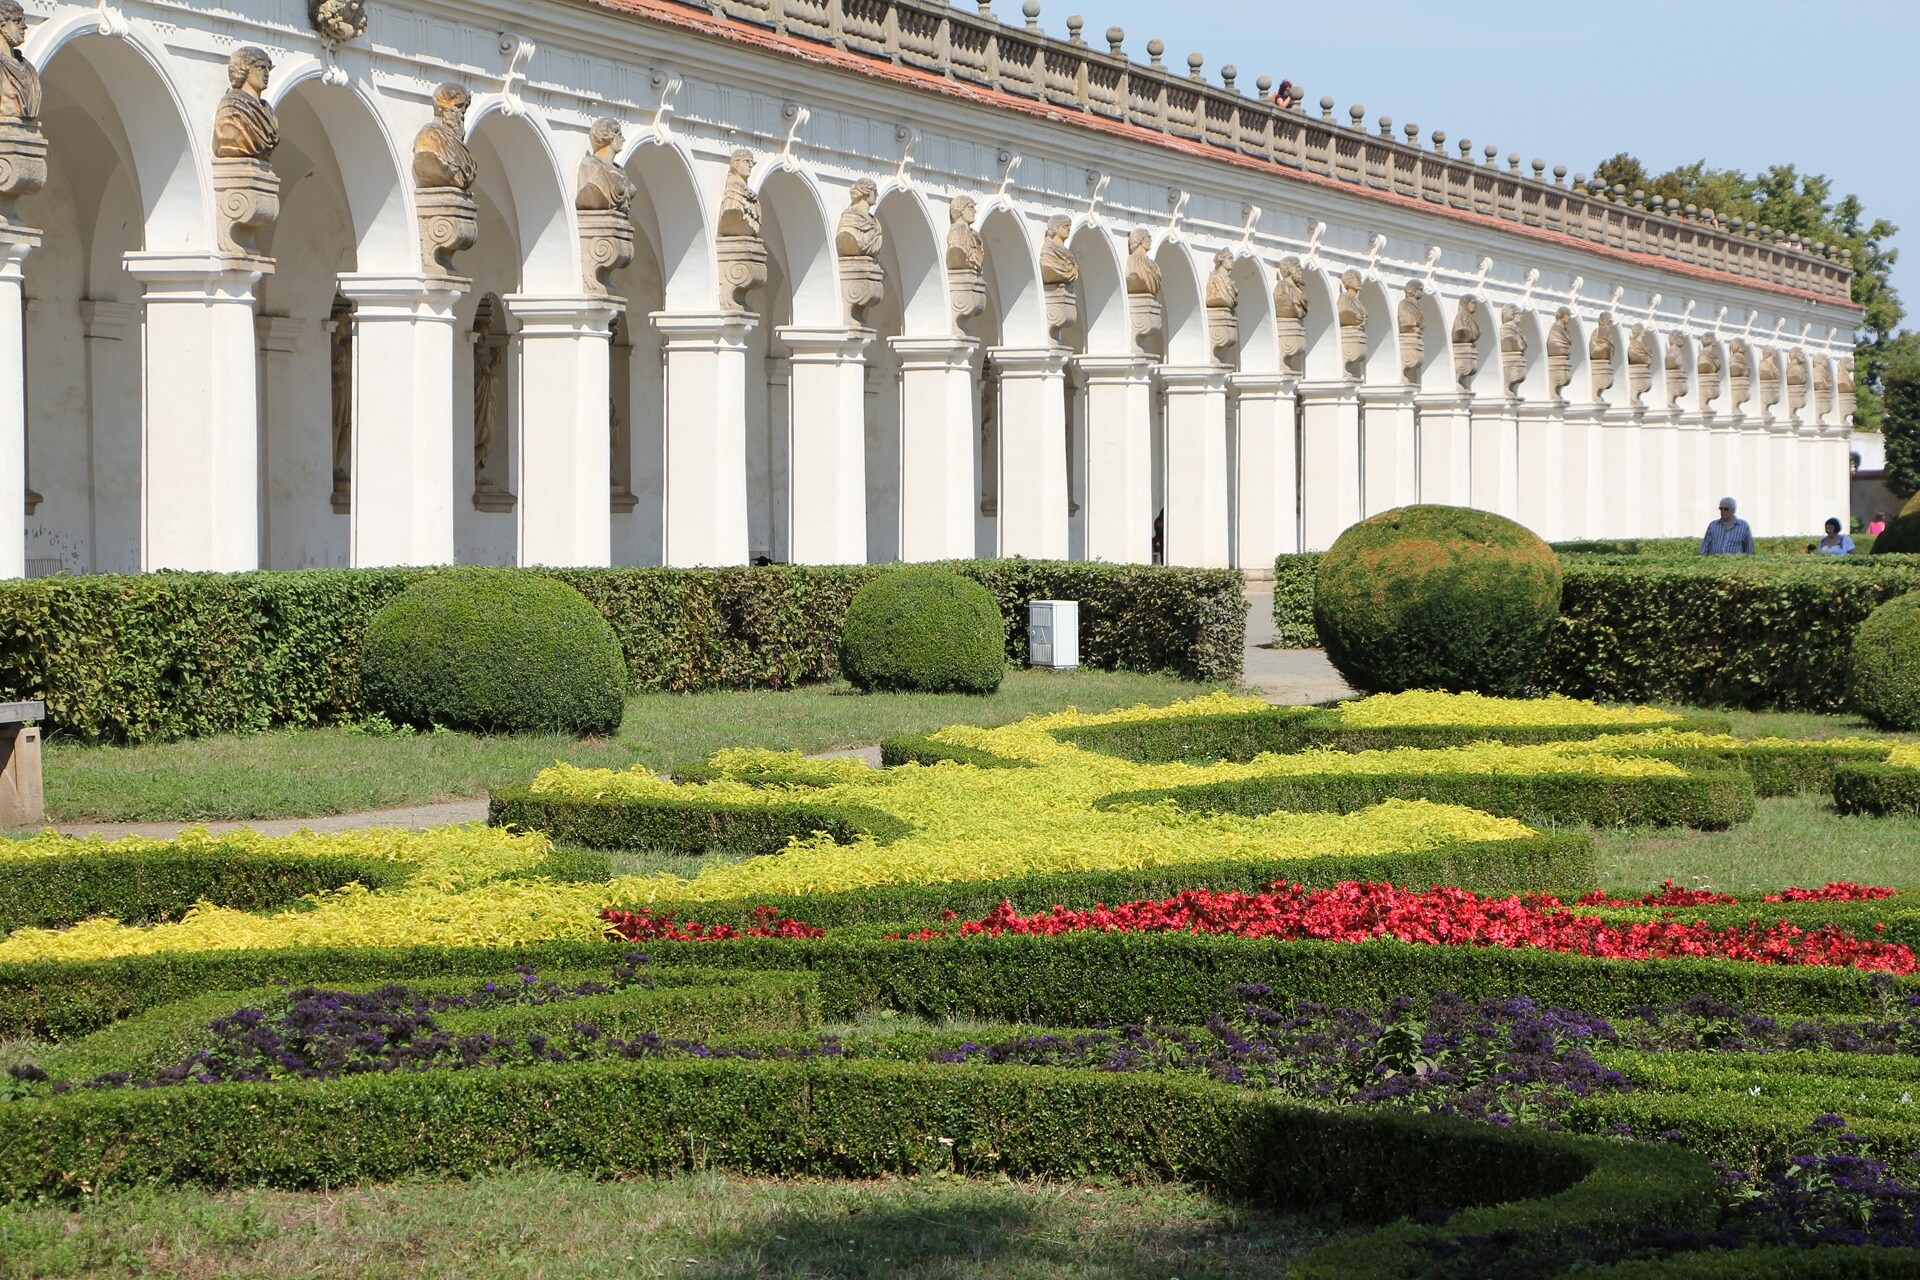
[(917, 748), (171, 655), (1242, 736), (1709, 630), (1071, 980), (1678, 548), (1704, 801), (606, 823), (147, 887), (1863, 1262), (1878, 790)]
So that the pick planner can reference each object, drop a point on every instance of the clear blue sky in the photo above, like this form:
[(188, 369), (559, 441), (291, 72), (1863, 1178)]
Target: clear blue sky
[(1828, 87)]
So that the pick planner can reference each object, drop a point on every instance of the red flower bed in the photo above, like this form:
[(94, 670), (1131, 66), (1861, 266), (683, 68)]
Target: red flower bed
[(1358, 912), (1838, 891), (644, 926), (1672, 895)]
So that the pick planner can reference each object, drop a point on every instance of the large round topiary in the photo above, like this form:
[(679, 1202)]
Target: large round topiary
[(923, 631), (1902, 534), (495, 650), (1435, 597), (1884, 684)]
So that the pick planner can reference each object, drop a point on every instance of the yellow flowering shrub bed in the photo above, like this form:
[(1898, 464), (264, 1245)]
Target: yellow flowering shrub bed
[(1387, 710)]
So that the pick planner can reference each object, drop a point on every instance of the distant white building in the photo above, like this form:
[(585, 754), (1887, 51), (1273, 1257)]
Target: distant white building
[(334, 352)]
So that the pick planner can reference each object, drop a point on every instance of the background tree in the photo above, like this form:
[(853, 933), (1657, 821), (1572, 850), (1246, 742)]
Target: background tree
[(1802, 205)]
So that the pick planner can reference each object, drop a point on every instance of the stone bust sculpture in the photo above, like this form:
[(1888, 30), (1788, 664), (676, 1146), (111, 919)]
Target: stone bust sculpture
[(1640, 348), (1560, 335), (1602, 345), (441, 159), (1769, 365), (1290, 300), (243, 124), (739, 206), (1057, 263), (1222, 293), (964, 250), (1143, 273), (604, 185), (1466, 324), (1513, 343), (1412, 321), (19, 82), (859, 234), (1709, 355), (1353, 312), (338, 20), (1739, 360)]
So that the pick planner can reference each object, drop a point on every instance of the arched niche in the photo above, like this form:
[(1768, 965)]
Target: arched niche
[(1103, 328), (914, 257), (1259, 347), (800, 239), (520, 177), (1321, 358), (1016, 314), (1183, 298), (671, 216)]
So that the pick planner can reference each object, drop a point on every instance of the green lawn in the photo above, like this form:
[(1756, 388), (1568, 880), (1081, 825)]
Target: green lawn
[(553, 1225), (1797, 840), (306, 773)]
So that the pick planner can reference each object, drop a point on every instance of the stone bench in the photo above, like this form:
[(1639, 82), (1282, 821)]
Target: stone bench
[(22, 800)]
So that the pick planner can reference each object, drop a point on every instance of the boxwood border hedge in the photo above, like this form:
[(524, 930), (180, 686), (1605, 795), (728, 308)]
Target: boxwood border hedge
[(686, 826), (1877, 789)]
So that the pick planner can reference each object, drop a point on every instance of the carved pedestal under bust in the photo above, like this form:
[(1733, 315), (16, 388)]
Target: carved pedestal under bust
[(741, 252), (966, 262), (604, 204), (23, 148)]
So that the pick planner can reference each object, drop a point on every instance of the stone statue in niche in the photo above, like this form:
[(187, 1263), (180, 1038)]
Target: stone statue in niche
[(1411, 320), (1513, 351), (742, 253), (1059, 269), (858, 238), (989, 440), (1560, 353), (1353, 325), (23, 149), (966, 261), (1844, 389), (1639, 364), (1601, 349), (1796, 382), (1822, 388), (340, 352), (491, 344), (1676, 370), (604, 201), (1223, 297), (244, 136), (1707, 370), (1768, 376), (444, 170), (1466, 340), (1290, 304), (1146, 313), (1739, 373), (338, 20)]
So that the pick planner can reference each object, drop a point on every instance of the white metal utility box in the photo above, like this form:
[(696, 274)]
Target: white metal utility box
[(1053, 634)]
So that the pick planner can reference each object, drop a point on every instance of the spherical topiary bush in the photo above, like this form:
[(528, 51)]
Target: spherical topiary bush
[(923, 631), (1902, 534), (1435, 597), (1884, 683), (495, 650)]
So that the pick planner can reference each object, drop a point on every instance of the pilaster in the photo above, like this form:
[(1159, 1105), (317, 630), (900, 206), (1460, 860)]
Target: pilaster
[(938, 424), (400, 510), (1198, 531), (1032, 511), (1495, 485), (200, 413), (706, 436), (1117, 461), (1622, 468), (827, 445), (1266, 495), (565, 442), (1446, 448), (15, 244), (1660, 472), (1389, 461), (1329, 461), (1541, 468)]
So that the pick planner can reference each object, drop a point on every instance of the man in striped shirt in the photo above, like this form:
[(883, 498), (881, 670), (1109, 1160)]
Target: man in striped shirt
[(1729, 535)]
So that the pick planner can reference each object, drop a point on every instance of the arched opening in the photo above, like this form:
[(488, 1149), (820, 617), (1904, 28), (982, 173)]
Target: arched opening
[(914, 305), (1101, 327), (1014, 317)]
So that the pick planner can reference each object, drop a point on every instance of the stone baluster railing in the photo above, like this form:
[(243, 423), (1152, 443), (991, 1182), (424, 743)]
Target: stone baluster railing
[(966, 41)]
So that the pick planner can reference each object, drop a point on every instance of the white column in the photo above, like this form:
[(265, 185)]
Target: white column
[(1660, 469), (1541, 474), (1266, 493), (1621, 468), (278, 339), (1496, 457), (1390, 466), (1584, 494), (1329, 461), (565, 444), (1721, 479), (1117, 495), (1783, 515), (1446, 449), (827, 445), (200, 413), (706, 437), (1033, 451), (401, 511), (1837, 472), (938, 405), (1693, 504), (1198, 532), (14, 248), (1754, 472)]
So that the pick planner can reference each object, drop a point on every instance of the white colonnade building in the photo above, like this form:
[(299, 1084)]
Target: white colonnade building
[(589, 282)]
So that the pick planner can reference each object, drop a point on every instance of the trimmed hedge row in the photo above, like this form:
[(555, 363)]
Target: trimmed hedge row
[(1704, 801), (629, 823), (171, 655), (1240, 737), (1878, 790), (858, 1119), (148, 887), (918, 748), (1070, 980), (1679, 548), (1709, 630)]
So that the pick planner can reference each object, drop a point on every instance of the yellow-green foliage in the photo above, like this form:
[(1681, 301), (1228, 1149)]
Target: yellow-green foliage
[(1426, 707), (968, 824)]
